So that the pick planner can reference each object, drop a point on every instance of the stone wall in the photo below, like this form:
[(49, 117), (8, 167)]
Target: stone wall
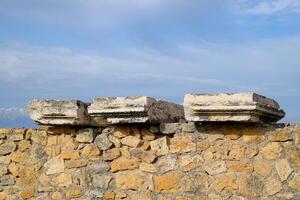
[(178, 161)]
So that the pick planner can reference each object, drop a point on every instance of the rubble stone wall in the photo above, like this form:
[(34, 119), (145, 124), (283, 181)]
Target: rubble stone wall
[(179, 161)]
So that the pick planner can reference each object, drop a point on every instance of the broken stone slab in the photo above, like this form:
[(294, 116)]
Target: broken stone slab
[(235, 107), (137, 109), (59, 112)]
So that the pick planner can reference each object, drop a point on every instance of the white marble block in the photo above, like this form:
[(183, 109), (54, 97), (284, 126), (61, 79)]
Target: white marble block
[(235, 107), (136, 109), (59, 112)]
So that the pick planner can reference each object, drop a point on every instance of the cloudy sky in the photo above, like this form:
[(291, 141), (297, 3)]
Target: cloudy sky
[(80, 49)]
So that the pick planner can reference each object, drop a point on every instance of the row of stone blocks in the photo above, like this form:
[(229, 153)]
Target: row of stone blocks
[(219, 107)]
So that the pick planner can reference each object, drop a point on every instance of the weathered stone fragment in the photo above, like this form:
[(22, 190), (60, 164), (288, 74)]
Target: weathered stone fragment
[(146, 167), (160, 146), (128, 181), (283, 169), (167, 183), (225, 181), (131, 141), (63, 179), (146, 156), (271, 151), (169, 128), (76, 163), (58, 112), (251, 185), (262, 167), (123, 163), (295, 182), (166, 163), (215, 167), (182, 144), (85, 135), (244, 107), (7, 147), (16, 135), (103, 142), (273, 186), (111, 154), (90, 150), (141, 109), (98, 168), (188, 162), (101, 181), (6, 180), (195, 182), (55, 165)]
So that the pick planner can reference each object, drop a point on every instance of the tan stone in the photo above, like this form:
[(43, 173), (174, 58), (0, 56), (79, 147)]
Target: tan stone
[(202, 145), (166, 163), (293, 155), (73, 193), (148, 167), (52, 140), (111, 154), (115, 141), (297, 138), (85, 135), (167, 183), (140, 154), (17, 134), (253, 135), (280, 135), (109, 195), (121, 132), (231, 132), (24, 145), (183, 198), (273, 186), (67, 142), (61, 180), (56, 196), (188, 162), (123, 163), (262, 167), (160, 146), (19, 157), (285, 195), (28, 193), (182, 144), (38, 136), (195, 182), (52, 151), (44, 179), (55, 165), (238, 166), (215, 167), (125, 151), (90, 150), (145, 145), (3, 196), (225, 181), (251, 185), (283, 169), (135, 182), (271, 151), (26, 177), (13, 169), (7, 147), (141, 196), (131, 141), (70, 154), (295, 182), (76, 163), (147, 135), (120, 195)]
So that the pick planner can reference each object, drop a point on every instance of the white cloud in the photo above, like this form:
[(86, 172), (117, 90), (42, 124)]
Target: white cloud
[(12, 113), (269, 7)]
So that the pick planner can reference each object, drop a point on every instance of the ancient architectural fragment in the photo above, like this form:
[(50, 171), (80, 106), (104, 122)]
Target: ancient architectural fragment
[(140, 109), (58, 112), (239, 107)]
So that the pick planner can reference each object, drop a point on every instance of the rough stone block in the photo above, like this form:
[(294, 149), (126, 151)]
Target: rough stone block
[(58, 112), (140, 109), (236, 107)]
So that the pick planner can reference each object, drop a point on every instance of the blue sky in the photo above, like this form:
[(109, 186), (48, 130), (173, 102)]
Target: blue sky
[(80, 49)]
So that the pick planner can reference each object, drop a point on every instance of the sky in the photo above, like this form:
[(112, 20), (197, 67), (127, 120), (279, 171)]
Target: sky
[(81, 49)]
